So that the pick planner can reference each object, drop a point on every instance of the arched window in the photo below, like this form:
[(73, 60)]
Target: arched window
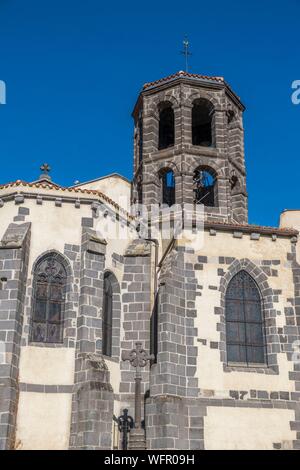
[(49, 292), (202, 123), (168, 187), (166, 126), (107, 314), (205, 187), (245, 336)]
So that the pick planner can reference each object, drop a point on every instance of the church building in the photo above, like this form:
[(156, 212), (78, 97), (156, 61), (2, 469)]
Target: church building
[(87, 288)]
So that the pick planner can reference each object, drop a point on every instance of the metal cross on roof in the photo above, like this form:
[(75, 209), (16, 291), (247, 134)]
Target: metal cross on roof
[(45, 168), (186, 53)]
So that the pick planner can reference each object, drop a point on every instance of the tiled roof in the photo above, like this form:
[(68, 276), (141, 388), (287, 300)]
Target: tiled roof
[(56, 187), (252, 228), (182, 74)]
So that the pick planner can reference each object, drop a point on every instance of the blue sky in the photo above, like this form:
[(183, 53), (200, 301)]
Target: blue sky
[(73, 70)]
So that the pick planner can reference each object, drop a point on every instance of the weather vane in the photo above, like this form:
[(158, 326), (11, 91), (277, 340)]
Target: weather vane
[(186, 52)]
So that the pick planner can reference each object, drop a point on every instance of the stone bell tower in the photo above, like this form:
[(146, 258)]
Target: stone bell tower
[(189, 146)]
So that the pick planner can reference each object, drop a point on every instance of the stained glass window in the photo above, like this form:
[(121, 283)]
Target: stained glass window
[(49, 300), (244, 321)]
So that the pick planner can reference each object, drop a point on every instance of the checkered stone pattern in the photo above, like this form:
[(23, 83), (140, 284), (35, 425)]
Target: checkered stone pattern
[(278, 339), (166, 423), (136, 303), (175, 420), (14, 253), (173, 378), (93, 398), (92, 404), (89, 324), (175, 423), (238, 198), (177, 353), (291, 334), (23, 212)]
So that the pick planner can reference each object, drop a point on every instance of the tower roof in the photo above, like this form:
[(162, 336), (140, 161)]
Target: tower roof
[(182, 74), (195, 79)]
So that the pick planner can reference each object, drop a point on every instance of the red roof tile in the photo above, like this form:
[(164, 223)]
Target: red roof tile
[(56, 187), (247, 228), (182, 74)]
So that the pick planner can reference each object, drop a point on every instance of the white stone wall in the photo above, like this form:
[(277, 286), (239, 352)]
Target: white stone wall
[(247, 429), (210, 368), (43, 420), (113, 186)]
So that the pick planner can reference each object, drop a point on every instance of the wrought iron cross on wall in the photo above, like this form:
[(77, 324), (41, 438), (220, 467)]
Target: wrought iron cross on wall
[(138, 358)]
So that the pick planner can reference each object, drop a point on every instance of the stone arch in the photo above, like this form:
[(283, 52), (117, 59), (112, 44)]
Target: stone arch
[(59, 256), (202, 95), (205, 184), (269, 312), (213, 169), (162, 98), (151, 117), (172, 99), (116, 313), (191, 163), (168, 165), (255, 271)]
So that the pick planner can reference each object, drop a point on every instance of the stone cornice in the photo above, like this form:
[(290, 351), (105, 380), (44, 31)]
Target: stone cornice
[(20, 196), (251, 229)]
